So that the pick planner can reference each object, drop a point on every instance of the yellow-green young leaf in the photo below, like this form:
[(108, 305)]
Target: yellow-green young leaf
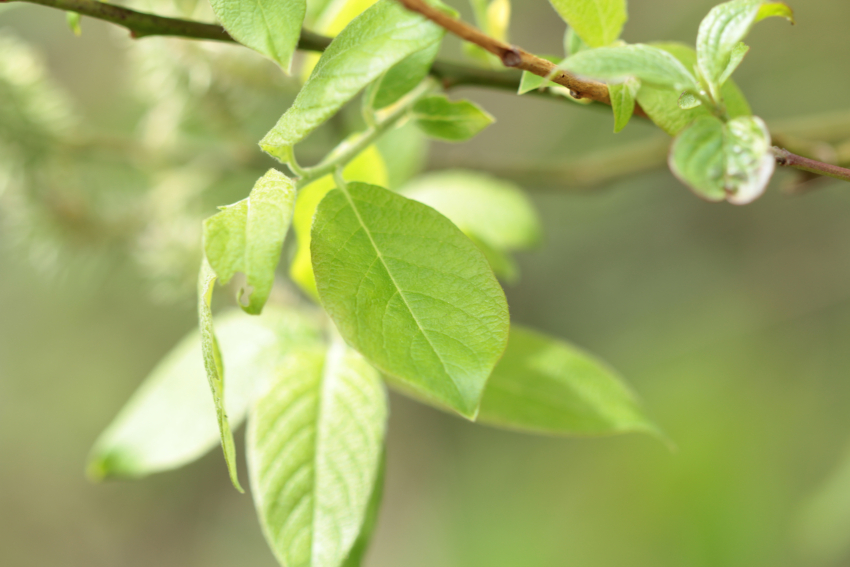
[(315, 444), (724, 161), (373, 42), (269, 27), (544, 385), (408, 290), (735, 59), (645, 62), (775, 10), (403, 77), (597, 22), (73, 19), (623, 97), (247, 237), (490, 209), (662, 104), (170, 420), (450, 121), (214, 367), (368, 167), (724, 28)]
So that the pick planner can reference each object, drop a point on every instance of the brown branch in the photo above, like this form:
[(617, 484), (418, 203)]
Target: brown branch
[(787, 159)]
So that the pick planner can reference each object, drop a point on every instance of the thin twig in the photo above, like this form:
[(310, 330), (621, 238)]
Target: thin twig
[(512, 56), (787, 159)]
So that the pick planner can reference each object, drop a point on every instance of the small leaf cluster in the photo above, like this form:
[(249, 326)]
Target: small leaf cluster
[(400, 288), (721, 151)]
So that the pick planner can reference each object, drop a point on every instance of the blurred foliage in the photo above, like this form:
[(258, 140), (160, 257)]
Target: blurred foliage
[(732, 323)]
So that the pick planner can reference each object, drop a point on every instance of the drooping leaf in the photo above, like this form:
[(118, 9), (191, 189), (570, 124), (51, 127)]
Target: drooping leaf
[(248, 236), (724, 161), (493, 210), (268, 27), (368, 167), (451, 121), (545, 385), (623, 96), (407, 289), (662, 104), (214, 367), (598, 22), (315, 444), (650, 64), (373, 42), (170, 420), (722, 30), (403, 77)]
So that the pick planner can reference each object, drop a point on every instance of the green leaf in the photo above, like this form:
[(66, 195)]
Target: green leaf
[(268, 27), (645, 62), (403, 77), (373, 42), (73, 19), (662, 104), (573, 43), (598, 22), (451, 121), (775, 9), (623, 97), (248, 236), (544, 385), (367, 167), (214, 367), (493, 210), (724, 161), (358, 550), (407, 289), (724, 28), (315, 444), (170, 420), (735, 61), (531, 82)]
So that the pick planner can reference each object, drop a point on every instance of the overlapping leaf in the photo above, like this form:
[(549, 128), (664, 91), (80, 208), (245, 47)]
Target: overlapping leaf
[(407, 289), (247, 237), (315, 444), (372, 43), (544, 385), (623, 97), (724, 161), (271, 27), (170, 420), (721, 32), (650, 64)]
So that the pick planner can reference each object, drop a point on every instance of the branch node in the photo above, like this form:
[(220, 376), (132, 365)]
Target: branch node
[(511, 57)]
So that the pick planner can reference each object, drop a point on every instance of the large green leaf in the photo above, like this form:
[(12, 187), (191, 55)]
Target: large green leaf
[(248, 236), (645, 62), (495, 211), (597, 22), (722, 30), (170, 420), (407, 289), (450, 121), (720, 161), (271, 27), (315, 443), (215, 368), (662, 104), (544, 385), (373, 42), (368, 167)]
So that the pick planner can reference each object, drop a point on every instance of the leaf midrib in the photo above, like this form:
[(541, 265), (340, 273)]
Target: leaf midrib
[(400, 292)]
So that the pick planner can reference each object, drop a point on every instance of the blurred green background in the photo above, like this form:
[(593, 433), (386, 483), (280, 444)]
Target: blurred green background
[(733, 324)]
